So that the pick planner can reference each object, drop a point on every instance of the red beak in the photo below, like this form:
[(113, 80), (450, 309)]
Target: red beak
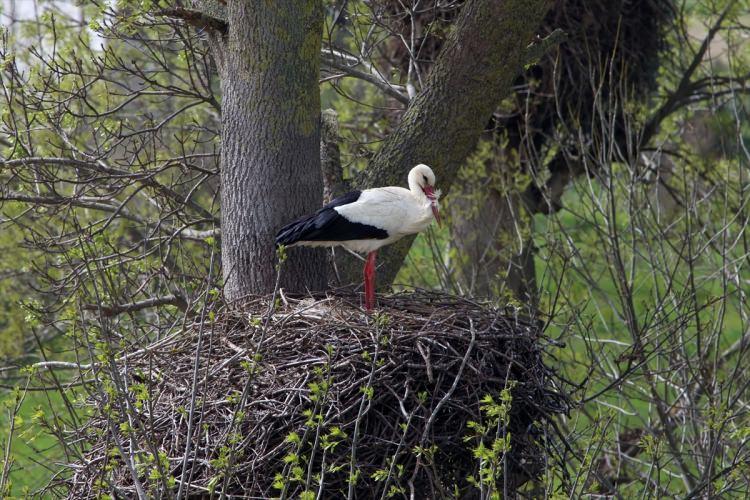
[(429, 191)]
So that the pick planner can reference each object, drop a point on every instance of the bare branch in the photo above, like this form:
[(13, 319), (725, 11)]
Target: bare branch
[(198, 235), (444, 121), (334, 184), (347, 63), (537, 49), (195, 18), (113, 310), (683, 88)]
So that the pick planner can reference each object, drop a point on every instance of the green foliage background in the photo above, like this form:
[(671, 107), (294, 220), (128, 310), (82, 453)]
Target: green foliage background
[(579, 292)]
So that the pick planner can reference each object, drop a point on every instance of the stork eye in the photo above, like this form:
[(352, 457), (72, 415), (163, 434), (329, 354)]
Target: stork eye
[(425, 179)]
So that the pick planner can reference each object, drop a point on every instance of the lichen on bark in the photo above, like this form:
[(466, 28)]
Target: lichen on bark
[(483, 54), (270, 169)]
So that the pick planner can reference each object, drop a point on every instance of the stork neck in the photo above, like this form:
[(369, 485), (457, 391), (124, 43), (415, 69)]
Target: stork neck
[(415, 189)]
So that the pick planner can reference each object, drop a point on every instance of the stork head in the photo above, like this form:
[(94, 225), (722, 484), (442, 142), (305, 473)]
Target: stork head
[(422, 178)]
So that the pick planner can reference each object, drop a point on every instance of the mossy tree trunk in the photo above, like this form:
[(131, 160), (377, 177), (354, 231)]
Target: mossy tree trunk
[(473, 73), (268, 62), (491, 228), (268, 57)]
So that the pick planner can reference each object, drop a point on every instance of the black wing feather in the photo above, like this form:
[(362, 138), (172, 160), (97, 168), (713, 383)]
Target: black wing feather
[(328, 225)]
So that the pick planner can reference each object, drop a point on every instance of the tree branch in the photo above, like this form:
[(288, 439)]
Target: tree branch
[(473, 73), (346, 63), (195, 18), (197, 234), (212, 8), (546, 199), (541, 46), (683, 88), (115, 309), (334, 184), (212, 15), (147, 178)]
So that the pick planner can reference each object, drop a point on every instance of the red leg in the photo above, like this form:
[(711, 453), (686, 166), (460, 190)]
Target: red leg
[(366, 274), (370, 280)]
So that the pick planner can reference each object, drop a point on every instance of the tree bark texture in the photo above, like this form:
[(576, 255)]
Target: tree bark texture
[(334, 184), (496, 255), (270, 156), (473, 73)]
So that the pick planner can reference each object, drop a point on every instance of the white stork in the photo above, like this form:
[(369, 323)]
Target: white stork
[(364, 221)]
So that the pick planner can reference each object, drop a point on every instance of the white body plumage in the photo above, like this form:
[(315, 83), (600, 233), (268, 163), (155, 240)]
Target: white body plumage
[(364, 221), (394, 209)]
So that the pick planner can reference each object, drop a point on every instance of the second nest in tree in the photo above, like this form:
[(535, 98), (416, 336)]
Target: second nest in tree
[(434, 395)]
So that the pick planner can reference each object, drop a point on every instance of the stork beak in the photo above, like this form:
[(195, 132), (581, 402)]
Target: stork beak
[(429, 191), (436, 213)]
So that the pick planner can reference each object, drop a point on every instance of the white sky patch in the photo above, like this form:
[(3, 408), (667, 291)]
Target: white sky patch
[(13, 13)]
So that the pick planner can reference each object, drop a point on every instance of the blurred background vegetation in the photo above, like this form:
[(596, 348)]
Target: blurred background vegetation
[(608, 196)]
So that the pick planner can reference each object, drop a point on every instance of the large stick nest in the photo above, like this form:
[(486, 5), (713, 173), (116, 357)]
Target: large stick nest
[(286, 398)]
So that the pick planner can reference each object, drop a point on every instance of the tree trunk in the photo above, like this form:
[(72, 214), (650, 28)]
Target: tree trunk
[(473, 73), (491, 228), (270, 154)]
